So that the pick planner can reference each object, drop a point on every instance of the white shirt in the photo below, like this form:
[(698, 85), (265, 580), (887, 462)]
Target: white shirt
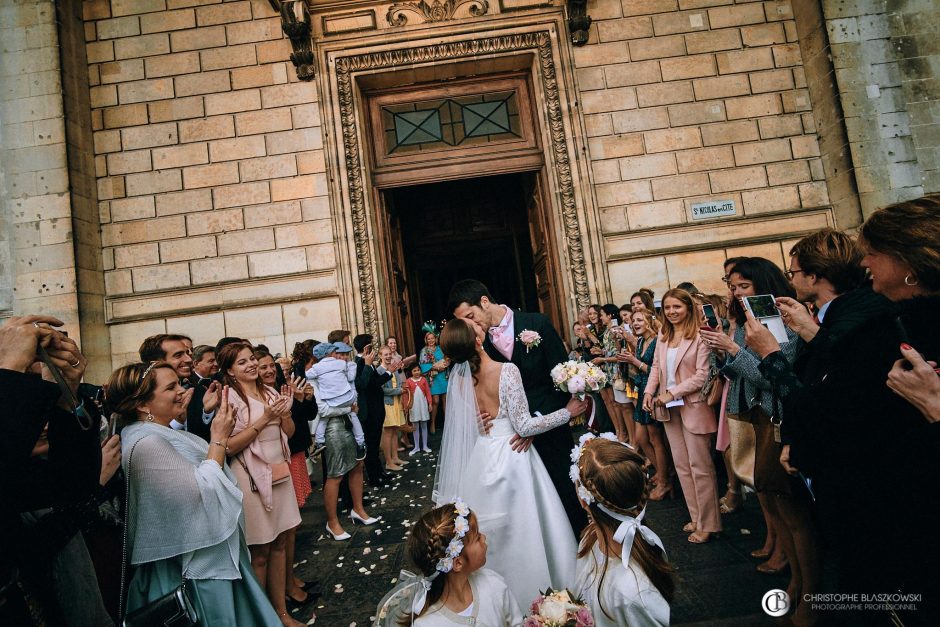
[(671, 354)]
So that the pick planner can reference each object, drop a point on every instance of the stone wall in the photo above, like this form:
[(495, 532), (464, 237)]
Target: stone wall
[(692, 100), (211, 175), (886, 59), (37, 240)]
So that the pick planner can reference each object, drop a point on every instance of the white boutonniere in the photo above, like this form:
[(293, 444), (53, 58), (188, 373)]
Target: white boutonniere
[(531, 339)]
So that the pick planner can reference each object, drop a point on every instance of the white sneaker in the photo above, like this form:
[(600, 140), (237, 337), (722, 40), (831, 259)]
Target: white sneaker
[(414, 451), (426, 449)]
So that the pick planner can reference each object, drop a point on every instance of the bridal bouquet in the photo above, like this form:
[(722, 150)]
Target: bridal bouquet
[(578, 378), (559, 609)]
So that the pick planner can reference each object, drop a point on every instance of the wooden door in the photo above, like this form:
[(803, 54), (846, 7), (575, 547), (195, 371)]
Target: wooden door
[(397, 301), (544, 255)]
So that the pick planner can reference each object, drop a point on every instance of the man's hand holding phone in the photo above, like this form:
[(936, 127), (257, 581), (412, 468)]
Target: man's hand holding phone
[(796, 316)]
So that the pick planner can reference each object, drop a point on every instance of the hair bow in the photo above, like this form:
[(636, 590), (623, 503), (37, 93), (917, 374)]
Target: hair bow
[(626, 532)]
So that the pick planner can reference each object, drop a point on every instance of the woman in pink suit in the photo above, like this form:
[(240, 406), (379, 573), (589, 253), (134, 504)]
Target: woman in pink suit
[(680, 365)]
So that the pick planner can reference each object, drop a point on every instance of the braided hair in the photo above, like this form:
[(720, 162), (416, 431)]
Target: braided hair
[(427, 544), (614, 475)]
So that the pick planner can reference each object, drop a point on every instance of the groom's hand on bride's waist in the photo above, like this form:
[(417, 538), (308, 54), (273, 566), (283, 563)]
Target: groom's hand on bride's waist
[(486, 422), (520, 444)]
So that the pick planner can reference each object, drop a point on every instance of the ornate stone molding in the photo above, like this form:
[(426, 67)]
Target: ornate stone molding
[(579, 22), (295, 22), (433, 11), (541, 44)]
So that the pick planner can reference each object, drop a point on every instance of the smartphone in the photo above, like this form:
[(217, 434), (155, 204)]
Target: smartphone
[(710, 317), (764, 309), (763, 306)]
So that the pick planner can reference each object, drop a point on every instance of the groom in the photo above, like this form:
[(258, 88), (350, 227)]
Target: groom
[(471, 300)]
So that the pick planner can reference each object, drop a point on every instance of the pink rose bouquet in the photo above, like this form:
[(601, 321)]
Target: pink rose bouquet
[(559, 609)]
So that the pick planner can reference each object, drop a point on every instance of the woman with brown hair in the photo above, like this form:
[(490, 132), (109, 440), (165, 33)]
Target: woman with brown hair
[(857, 437), (175, 476), (533, 544), (259, 446), (751, 400), (623, 574), (674, 395)]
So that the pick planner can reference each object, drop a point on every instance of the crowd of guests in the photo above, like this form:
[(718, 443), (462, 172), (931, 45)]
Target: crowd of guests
[(834, 429), (220, 437)]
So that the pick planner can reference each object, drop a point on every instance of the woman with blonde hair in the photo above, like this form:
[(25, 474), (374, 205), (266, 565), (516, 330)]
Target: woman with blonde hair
[(649, 434), (674, 395)]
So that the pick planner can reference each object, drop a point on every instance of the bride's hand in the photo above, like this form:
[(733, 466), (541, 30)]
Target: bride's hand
[(520, 444)]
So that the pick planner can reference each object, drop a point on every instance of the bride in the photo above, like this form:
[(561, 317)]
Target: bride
[(531, 543)]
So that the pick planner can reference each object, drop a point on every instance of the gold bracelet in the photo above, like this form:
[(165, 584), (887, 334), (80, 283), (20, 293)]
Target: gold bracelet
[(257, 430), (223, 445)]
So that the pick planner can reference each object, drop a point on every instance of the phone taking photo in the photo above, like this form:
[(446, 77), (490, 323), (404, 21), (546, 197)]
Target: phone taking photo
[(764, 309), (710, 318)]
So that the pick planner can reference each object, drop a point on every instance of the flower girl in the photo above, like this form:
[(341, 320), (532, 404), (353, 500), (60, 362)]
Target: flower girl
[(447, 547), (623, 574), (419, 411)]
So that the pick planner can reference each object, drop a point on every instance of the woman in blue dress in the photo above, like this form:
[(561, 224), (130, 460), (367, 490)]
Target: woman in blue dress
[(184, 516), (434, 366)]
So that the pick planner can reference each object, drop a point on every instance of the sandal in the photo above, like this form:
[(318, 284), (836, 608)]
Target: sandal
[(689, 527), (701, 537), (731, 501)]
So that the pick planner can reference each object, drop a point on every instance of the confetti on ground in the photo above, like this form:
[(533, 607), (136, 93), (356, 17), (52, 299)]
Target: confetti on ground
[(745, 532)]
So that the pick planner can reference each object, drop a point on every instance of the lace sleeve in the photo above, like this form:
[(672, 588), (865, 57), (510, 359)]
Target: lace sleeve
[(513, 402)]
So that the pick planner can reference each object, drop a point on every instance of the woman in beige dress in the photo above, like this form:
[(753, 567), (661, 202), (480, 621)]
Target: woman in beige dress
[(260, 454)]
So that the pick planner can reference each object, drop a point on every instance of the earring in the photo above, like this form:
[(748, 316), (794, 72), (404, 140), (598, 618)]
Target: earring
[(149, 417), (908, 282)]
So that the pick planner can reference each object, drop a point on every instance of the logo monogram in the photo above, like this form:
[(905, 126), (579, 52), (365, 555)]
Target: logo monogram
[(775, 602)]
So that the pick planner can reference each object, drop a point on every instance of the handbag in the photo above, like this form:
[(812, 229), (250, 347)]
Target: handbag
[(280, 472), (174, 609)]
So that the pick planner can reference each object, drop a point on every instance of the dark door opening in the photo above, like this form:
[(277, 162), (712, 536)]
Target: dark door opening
[(471, 228)]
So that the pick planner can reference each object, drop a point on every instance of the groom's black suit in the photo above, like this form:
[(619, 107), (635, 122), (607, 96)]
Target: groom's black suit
[(554, 446)]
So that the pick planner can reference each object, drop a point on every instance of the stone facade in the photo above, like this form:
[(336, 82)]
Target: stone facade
[(222, 201)]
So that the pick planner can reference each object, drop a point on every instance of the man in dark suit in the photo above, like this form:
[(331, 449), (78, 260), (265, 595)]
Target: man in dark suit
[(369, 381), (205, 398), (471, 300)]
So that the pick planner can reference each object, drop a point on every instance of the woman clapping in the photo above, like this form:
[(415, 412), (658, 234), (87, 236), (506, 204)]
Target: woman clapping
[(185, 506)]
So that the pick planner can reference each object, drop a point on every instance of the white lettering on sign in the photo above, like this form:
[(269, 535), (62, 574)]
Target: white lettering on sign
[(713, 209)]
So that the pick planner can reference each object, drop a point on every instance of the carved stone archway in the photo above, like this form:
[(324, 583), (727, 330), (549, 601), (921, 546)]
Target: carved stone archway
[(557, 152)]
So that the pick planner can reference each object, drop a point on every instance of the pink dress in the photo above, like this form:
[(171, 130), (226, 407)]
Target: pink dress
[(262, 525)]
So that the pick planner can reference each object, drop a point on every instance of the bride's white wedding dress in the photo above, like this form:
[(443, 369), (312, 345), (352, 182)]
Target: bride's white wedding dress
[(530, 540)]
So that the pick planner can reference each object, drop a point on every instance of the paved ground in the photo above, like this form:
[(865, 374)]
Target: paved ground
[(718, 583)]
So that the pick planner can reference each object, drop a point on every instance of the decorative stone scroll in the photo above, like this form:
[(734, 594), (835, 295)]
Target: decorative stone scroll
[(295, 22), (541, 43), (433, 11), (579, 22)]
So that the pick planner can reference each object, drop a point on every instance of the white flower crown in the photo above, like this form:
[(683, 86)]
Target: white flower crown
[(461, 527), (575, 471)]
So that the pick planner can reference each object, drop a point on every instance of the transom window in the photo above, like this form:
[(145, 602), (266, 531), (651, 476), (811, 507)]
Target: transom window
[(458, 121)]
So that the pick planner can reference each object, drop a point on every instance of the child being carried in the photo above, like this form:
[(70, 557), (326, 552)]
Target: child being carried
[(332, 379)]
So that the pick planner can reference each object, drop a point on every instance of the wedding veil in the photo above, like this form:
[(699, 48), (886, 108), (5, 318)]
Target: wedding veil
[(461, 430)]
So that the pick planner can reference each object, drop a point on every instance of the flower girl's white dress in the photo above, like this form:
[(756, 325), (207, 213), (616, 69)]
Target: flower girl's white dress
[(493, 605), (627, 594), (531, 543)]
